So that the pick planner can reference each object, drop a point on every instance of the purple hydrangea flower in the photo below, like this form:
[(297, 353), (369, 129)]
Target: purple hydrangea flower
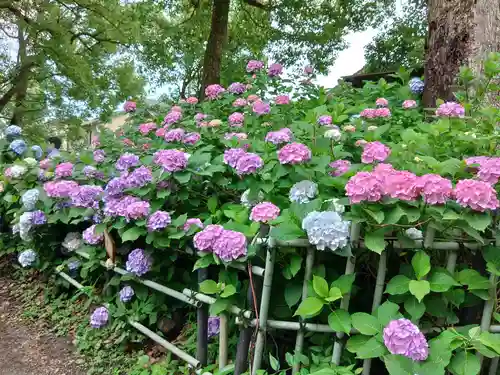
[(127, 161), (99, 156), (325, 120), (191, 138), (86, 196), (237, 88), (249, 163), (213, 326), (60, 189), (64, 170), (280, 136), (118, 206), (99, 317), (275, 70), (174, 135), (115, 186), (172, 117), (232, 156), (139, 177), (38, 218), (230, 245), (126, 294), (91, 237), (192, 221), (214, 91), (261, 108), (205, 239), (171, 160), (158, 220), (137, 210), (138, 262), (403, 337), (254, 65)]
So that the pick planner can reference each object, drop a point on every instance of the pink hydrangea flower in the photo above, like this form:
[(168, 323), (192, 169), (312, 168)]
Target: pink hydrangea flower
[(364, 186), (236, 119), (275, 70), (375, 151), (339, 167), (308, 69), (191, 138), (368, 113), (239, 136), (46, 163), (281, 136), (435, 189), (489, 170), (240, 102), (381, 102), (294, 153), (402, 337), (232, 156), (325, 120), (137, 210), (408, 104), (205, 239), (450, 109), (95, 142), (230, 245), (60, 189), (192, 100), (261, 108), (192, 221), (214, 91), (237, 88), (383, 112), (144, 129), (249, 163), (360, 143), (172, 117), (64, 170), (254, 65), (478, 195), (282, 99), (264, 212), (200, 117), (161, 132), (174, 135), (176, 108), (252, 98), (128, 142), (129, 106), (171, 160), (401, 185)]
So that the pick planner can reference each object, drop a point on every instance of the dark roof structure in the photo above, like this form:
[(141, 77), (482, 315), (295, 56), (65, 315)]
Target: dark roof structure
[(357, 80)]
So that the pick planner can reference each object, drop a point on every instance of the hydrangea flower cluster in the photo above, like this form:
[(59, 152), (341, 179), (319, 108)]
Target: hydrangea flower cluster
[(228, 245), (339, 167), (174, 135), (244, 162), (213, 326), (99, 156), (416, 85), (86, 196), (91, 237), (171, 160), (72, 241), (12, 131), (99, 317), (60, 189), (146, 128), (236, 88), (214, 91), (27, 258), (282, 99), (375, 151), (192, 221), (171, 118), (29, 199), (450, 109), (238, 136), (138, 262), (126, 294), (129, 106), (191, 138), (236, 119), (37, 151), (127, 161), (303, 191), (381, 102), (38, 218), (478, 195), (15, 172), (283, 135), (261, 108), (326, 229), (264, 212), (409, 104), (325, 120), (158, 220), (333, 133), (64, 170), (294, 153), (371, 113), (137, 210), (239, 102), (402, 337), (254, 66), (192, 100), (18, 146), (275, 70)]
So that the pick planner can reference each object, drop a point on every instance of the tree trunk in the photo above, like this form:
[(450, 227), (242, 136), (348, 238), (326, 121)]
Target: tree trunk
[(461, 32), (23, 83), (215, 45), (24, 72)]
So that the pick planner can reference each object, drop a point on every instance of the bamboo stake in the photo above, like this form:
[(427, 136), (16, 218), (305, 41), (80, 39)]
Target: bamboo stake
[(202, 325), (223, 340)]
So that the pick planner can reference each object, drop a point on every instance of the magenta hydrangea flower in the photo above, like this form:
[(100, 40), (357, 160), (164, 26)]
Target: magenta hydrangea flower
[(489, 170), (146, 128), (238, 136), (368, 113), (478, 195), (230, 245), (86, 196), (174, 135), (192, 100), (200, 117), (172, 117), (99, 156), (237, 88), (232, 156), (294, 153), (161, 132), (205, 239), (339, 167), (325, 120), (91, 237), (364, 186), (254, 66), (99, 317), (450, 109), (240, 102), (236, 119), (249, 163), (381, 102), (409, 103), (275, 70), (214, 91), (401, 185), (375, 151), (264, 212), (64, 170), (117, 206), (171, 160), (402, 337), (261, 108), (435, 189), (159, 220), (137, 210), (193, 221), (127, 161), (129, 106), (282, 99), (176, 108), (281, 136), (45, 163), (138, 262), (383, 112), (191, 138), (139, 177), (60, 189)]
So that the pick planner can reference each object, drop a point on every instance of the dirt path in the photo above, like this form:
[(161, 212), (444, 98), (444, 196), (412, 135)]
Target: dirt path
[(27, 348)]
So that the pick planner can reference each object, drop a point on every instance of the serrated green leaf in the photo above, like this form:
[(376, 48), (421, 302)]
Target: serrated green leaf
[(399, 284), (320, 286), (478, 221), (421, 263), (365, 323), (132, 234), (308, 307), (419, 288), (441, 281), (372, 349), (293, 292), (375, 241), (465, 363), (415, 308), (209, 287), (386, 312), (334, 294), (340, 321), (344, 283)]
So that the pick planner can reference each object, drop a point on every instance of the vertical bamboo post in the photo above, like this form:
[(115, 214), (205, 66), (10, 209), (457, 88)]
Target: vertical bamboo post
[(202, 325), (377, 298), (264, 306), (493, 366), (451, 263), (344, 304), (299, 343), (223, 338)]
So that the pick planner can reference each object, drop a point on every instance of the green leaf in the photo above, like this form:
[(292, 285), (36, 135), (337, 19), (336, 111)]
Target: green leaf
[(204, 262), (414, 307), (378, 216), (491, 340), (478, 221), (275, 365), (293, 292), (420, 288), (465, 363), (209, 287), (365, 323), (334, 294), (399, 284), (212, 204), (309, 307), (355, 342), (228, 291), (395, 215), (398, 365), (132, 234), (375, 241), (455, 296), (441, 281), (320, 286), (421, 264), (344, 283), (293, 266), (183, 177), (473, 279), (340, 321), (372, 349), (219, 306), (386, 312), (286, 231)]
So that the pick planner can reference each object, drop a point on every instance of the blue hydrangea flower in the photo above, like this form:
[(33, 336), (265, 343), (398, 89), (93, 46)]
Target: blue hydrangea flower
[(416, 85), (138, 262), (27, 258), (37, 151), (18, 146), (12, 131), (29, 199), (303, 191), (73, 265), (99, 317), (213, 326), (126, 294), (38, 218), (326, 229)]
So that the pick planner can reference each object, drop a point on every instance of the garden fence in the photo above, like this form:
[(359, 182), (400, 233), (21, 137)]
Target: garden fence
[(249, 320)]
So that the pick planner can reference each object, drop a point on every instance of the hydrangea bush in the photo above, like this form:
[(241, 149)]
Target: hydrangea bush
[(258, 159)]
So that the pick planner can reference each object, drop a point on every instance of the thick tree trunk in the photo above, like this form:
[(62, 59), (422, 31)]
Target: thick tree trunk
[(215, 44), (23, 83), (24, 72), (461, 32)]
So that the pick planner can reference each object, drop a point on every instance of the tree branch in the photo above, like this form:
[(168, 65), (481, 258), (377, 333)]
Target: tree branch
[(256, 4)]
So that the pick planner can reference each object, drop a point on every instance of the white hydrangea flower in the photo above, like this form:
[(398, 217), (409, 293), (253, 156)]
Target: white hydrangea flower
[(25, 225), (245, 200), (334, 205), (15, 229), (17, 171), (30, 161), (334, 134), (326, 229), (73, 241), (27, 258), (303, 191), (29, 199), (414, 234)]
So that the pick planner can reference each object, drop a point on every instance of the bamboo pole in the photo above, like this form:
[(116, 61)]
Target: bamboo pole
[(493, 366), (223, 340), (202, 325), (299, 343), (70, 280), (211, 300)]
